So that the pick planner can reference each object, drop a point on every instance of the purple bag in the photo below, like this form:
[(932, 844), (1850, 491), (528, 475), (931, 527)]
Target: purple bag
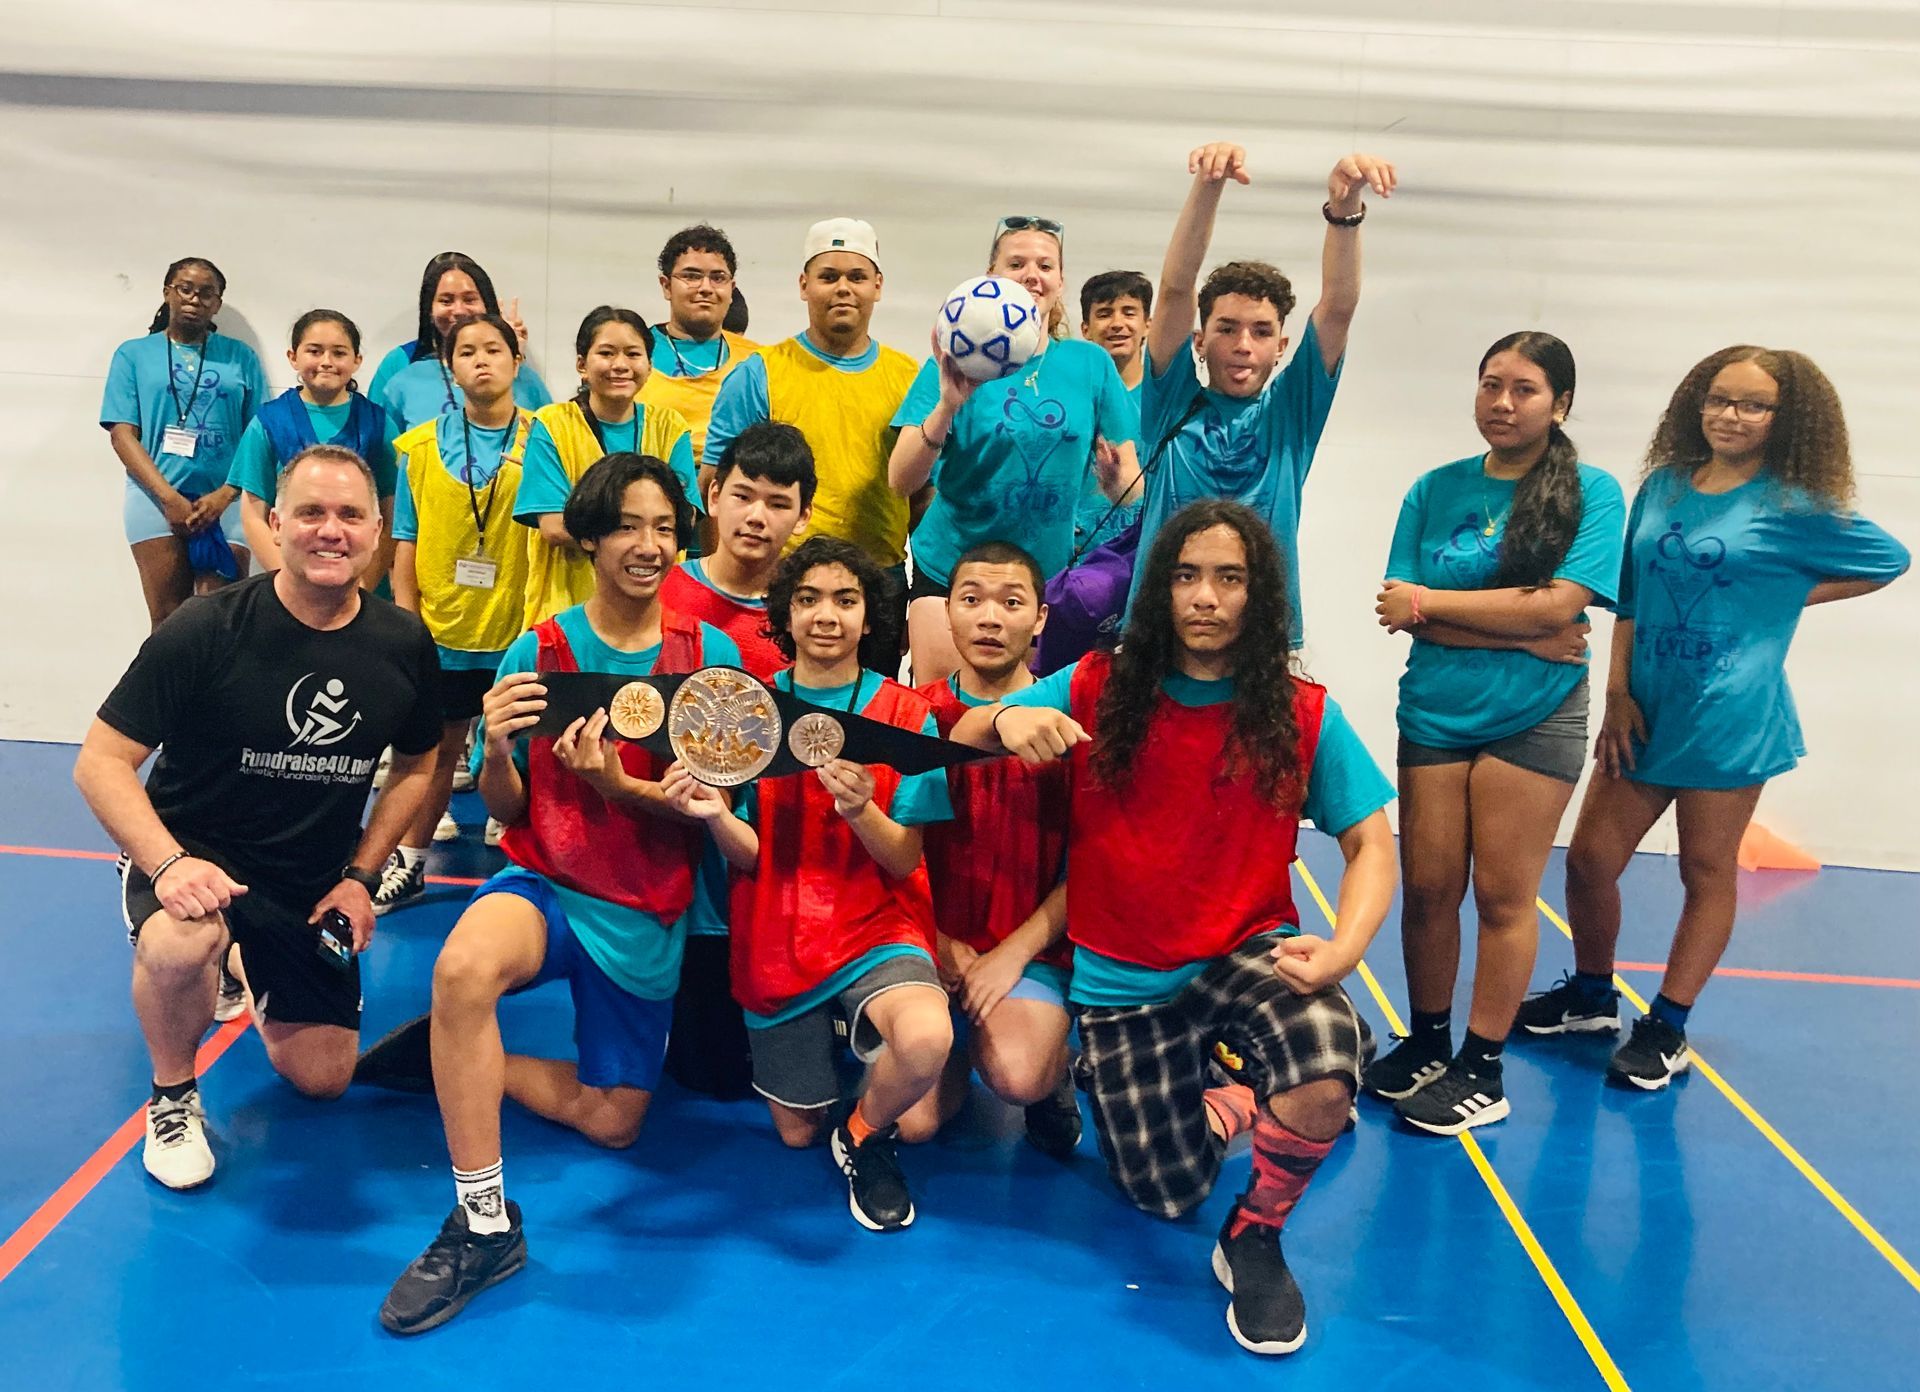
[(1085, 603)]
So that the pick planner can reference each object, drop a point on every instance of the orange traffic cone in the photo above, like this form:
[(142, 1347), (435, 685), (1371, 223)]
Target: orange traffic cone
[(1761, 849)]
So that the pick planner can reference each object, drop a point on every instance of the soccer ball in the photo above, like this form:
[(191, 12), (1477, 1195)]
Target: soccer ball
[(989, 326)]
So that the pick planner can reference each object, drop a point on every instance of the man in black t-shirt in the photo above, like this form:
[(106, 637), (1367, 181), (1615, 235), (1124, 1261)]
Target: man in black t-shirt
[(270, 702)]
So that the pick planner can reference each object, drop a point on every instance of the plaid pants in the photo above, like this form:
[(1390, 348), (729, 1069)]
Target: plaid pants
[(1146, 1067)]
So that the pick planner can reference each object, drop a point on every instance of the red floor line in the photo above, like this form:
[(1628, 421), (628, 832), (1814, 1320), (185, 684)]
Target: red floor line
[(1760, 974), (81, 1182), (60, 853)]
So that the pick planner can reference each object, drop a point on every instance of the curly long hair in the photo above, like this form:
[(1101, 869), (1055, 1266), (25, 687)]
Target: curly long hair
[(1547, 503), (880, 647), (1807, 448), (1264, 742)]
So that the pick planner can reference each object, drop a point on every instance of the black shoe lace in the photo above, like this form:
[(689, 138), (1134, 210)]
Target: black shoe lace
[(170, 1124), (875, 1159)]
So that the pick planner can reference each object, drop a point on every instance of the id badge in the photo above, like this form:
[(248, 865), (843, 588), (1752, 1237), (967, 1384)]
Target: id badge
[(475, 572), (179, 441)]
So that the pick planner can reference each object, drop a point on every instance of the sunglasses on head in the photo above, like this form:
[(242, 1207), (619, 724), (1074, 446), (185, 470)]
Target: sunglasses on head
[(1020, 222)]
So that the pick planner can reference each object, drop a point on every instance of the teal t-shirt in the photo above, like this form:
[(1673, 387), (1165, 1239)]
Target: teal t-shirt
[(1253, 450), (212, 388), (488, 447), (545, 487), (1097, 521), (1015, 462), (683, 357), (412, 392), (636, 949), (1454, 698), (1715, 584), (1344, 787), (256, 469)]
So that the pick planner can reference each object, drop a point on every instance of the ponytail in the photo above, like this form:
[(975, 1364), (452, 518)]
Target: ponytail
[(1544, 519)]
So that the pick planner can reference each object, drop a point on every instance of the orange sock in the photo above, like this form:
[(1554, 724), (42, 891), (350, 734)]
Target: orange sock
[(1231, 1108), (859, 1127)]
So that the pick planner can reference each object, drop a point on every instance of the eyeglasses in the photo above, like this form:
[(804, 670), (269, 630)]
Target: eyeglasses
[(1748, 411), (193, 294), (1021, 222), (691, 279)]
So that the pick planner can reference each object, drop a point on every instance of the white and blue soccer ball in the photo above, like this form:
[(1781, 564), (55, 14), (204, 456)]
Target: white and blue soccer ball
[(989, 326)]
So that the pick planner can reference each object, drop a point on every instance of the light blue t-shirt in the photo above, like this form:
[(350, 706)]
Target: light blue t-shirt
[(1454, 698), (545, 487), (1015, 460), (1715, 585), (411, 392), (743, 401), (636, 949), (256, 469), (1344, 787), (1097, 521), (212, 388), (684, 357), (488, 446), (1255, 450)]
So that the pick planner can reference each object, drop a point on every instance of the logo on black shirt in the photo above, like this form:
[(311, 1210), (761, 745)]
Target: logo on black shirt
[(327, 718)]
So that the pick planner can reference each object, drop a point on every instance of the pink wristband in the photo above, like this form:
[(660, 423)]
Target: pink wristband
[(1418, 617)]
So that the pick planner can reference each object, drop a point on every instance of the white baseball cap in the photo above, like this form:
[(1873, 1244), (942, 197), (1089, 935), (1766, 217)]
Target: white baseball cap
[(842, 234)]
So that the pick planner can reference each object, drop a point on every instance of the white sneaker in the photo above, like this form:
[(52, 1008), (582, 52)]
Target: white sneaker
[(463, 779), (382, 768), (494, 832), (231, 1003), (177, 1153), (448, 830)]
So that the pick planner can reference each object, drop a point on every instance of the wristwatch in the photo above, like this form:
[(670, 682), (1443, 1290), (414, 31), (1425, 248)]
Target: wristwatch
[(366, 879)]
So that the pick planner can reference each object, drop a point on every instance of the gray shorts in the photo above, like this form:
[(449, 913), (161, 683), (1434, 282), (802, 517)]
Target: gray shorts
[(804, 1063), (1556, 747)]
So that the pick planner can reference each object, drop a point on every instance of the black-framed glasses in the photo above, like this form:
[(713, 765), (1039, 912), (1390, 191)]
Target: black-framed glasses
[(1024, 222), (1749, 411), (195, 294)]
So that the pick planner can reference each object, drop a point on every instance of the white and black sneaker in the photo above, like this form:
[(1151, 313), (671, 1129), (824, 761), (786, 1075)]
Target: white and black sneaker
[(231, 1001), (1267, 1314), (177, 1153), (1403, 1070), (399, 883), (1654, 1055), (1454, 1102), (877, 1192), (1565, 1009)]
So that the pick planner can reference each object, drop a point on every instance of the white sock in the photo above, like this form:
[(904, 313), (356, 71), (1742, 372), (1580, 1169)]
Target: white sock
[(409, 857), (483, 1198)]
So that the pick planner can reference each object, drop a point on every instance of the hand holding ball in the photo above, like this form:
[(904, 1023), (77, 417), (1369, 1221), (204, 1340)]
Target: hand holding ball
[(988, 327)]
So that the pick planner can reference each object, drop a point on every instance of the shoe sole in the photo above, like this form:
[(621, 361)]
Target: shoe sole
[(382, 910), (853, 1206), (1418, 1084), (176, 1188), (445, 836), (434, 1322), (1486, 1116), (1224, 1275), (1589, 1025), (1621, 1079), (229, 1008)]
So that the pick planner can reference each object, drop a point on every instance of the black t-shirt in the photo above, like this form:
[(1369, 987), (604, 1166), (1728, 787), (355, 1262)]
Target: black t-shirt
[(269, 730)]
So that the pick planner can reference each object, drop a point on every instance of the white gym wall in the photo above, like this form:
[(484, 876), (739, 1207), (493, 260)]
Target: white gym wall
[(1649, 179)]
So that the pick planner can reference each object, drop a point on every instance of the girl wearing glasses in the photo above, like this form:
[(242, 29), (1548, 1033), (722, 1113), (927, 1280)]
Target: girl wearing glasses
[(604, 417), (1742, 521), (460, 560), (1494, 561), (411, 383), (1007, 458), (176, 403)]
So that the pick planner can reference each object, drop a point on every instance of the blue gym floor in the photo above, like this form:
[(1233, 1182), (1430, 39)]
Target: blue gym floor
[(1593, 1239)]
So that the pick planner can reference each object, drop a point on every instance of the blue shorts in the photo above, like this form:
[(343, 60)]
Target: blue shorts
[(1039, 981), (619, 1038), (145, 522)]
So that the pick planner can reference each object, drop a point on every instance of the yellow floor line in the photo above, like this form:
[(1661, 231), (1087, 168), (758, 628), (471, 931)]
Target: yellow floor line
[(1576, 1317), (1765, 1128)]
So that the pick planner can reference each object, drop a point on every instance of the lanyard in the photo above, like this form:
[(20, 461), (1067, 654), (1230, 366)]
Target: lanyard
[(182, 413), (852, 699), (480, 515), (719, 361), (599, 427)]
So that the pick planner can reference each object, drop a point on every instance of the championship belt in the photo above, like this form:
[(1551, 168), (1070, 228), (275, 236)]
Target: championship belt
[(730, 728)]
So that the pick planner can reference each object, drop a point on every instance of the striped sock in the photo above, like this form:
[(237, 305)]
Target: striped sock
[(1284, 1163), (483, 1197)]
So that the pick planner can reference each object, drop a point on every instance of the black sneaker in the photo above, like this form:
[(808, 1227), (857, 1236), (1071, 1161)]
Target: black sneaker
[(1402, 1071), (1053, 1123), (876, 1189), (456, 1266), (1454, 1102), (1566, 1009), (400, 883), (401, 1062), (1267, 1313), (1654, 1055)]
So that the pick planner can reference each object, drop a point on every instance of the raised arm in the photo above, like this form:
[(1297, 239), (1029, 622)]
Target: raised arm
[(1351, 178), (1174, 307)]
